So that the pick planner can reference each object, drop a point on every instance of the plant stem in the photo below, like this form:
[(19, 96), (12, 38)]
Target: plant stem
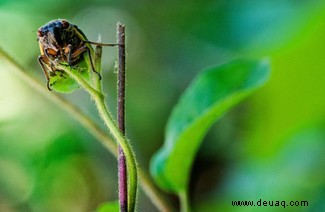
[(183, 197), (98, 97), (158, 198), (131, 163), (98, 60), (122, 171)]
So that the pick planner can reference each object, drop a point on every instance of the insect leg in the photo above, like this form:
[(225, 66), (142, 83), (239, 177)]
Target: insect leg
[(69, 54), (80, 51), (92, 64), (103, 44), (83, 48), (41, 61)]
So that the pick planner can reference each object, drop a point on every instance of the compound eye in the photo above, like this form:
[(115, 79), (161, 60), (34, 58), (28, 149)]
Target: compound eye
[(65, 24)]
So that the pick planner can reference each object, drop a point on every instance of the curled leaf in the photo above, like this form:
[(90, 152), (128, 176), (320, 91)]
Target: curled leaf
[(61, 82)]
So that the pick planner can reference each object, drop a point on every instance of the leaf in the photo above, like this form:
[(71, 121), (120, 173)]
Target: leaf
[(211, 94), (109, 207), (61, 82)]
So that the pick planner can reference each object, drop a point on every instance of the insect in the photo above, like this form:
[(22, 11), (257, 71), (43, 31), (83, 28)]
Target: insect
[(61, 42)]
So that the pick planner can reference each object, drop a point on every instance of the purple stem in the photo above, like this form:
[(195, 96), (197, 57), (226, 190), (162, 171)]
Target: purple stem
[(122, 170)]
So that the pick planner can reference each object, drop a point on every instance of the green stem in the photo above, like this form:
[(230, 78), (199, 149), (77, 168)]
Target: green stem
[(98, 60), (158, 198), (98, 97), (130, 158), (183, 198)]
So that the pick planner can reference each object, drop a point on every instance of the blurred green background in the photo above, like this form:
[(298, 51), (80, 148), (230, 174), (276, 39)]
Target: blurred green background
[(271, 146)]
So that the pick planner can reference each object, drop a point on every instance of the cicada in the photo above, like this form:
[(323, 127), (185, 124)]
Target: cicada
[(63, 43)]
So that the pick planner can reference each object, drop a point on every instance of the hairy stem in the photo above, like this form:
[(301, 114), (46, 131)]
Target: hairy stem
[(122, 169), (98, 97), (158, 198), (130, 158)]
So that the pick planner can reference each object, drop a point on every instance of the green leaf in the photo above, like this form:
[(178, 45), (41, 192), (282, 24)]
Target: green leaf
[(109, 207), (61, 82), (211, 94)]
